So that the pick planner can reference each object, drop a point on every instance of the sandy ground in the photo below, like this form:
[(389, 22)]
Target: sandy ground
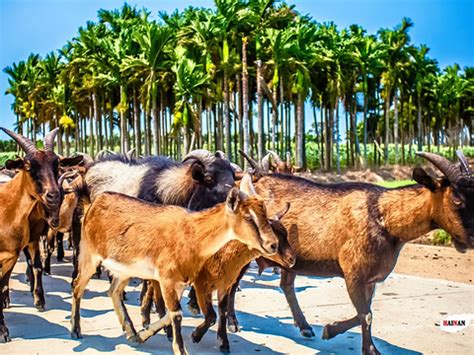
[(407, 313)]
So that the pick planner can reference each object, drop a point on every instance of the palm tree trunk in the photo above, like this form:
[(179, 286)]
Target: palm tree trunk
[(111, 128), (366, 103), (136, 124), (245, 100), (395, 124), (387, 124), (420, 133), (123, 122), (338, 155), (321, 152), (91, 133), (260, 128), (227, 132), (274, 118), (300, 146)]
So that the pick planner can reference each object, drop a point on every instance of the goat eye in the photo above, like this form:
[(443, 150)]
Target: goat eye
[(457, 201), (248, 218), (208, 178)]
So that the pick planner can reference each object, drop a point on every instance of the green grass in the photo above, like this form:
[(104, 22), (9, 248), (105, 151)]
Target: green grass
[(396, 183)]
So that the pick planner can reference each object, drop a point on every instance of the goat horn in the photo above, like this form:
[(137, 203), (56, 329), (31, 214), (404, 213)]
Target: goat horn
[(66, 175), (220, 154), (266, 162), (246, 185), (236, 168), (201, 154), (26, 144), (131, 153), (444, 165), (251, 161), (49, 140), (466, 169), (275, 157)]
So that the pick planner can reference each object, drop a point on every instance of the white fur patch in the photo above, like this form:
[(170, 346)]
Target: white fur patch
[(115, 176), (142, 268)]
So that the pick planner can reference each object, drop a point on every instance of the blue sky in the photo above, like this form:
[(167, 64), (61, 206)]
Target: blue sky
[(40, 26)]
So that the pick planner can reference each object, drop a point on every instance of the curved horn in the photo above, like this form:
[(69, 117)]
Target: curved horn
[(131, 154), (246, 185), (266, 162), (275, 157), (251, 161), (450, 170), (221, 154), (236, 168), (201, 154), (466, 169), (66, 175), (49, 140), (26, 144)]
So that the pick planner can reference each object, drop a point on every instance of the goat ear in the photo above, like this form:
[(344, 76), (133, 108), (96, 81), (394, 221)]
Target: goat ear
[(11, 164), (280, 214), (233, 200), (71, 161), (422, 177), (197, 171)]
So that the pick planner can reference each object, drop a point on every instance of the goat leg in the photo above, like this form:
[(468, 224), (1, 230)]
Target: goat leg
[(146, 300), (287, 284), (361, 296), (204, 298), (85, 271), (49, 248), (193, 306), (6, 268), (115, 292), (160, 306), (60, 252), (232, 322), (221, 327), (36, 269)]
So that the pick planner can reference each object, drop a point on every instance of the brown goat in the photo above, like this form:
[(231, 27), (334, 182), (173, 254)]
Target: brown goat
[(168, 244), (356, 231), (31, 197), (220, 272)]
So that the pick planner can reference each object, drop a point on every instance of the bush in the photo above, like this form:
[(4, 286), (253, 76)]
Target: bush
[(5, 156), (441, 237)]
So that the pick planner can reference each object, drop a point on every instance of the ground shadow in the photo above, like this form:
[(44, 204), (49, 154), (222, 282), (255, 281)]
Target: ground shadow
[(348, 342)]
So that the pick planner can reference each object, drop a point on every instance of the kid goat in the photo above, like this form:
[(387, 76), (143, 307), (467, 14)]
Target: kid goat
[(169, 244), (356, 230)]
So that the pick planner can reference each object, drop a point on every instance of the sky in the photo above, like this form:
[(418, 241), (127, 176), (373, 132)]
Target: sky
[(40, 26)]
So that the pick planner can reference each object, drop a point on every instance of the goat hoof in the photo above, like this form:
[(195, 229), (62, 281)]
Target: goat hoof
[(372, 350), (135, 339), (196, 337), (225, 349), (6, 302), (4, 334), (40, 307), (307, 333), (326, 335), (233, 328), (146, 324), (169, 332), (76, 334)]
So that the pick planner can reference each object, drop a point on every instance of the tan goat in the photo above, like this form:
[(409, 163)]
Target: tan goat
[(168, 244)]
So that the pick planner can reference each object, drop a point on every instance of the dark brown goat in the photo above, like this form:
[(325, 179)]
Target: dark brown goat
[(31, 197), (168, 244), (356, 231)]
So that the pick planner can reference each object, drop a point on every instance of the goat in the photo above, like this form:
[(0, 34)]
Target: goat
[(168, 244), (273, 163), (72, 191), (219, 273), (28, 199), (356, 230)]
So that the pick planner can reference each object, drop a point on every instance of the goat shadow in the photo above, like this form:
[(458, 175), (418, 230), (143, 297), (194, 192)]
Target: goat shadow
[(347, 343), (159, 344)]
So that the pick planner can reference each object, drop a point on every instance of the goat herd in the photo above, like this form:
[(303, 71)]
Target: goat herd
[(200, 222)]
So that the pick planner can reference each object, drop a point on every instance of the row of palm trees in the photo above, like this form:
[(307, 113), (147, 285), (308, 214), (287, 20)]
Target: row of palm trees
[(242, 75)]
